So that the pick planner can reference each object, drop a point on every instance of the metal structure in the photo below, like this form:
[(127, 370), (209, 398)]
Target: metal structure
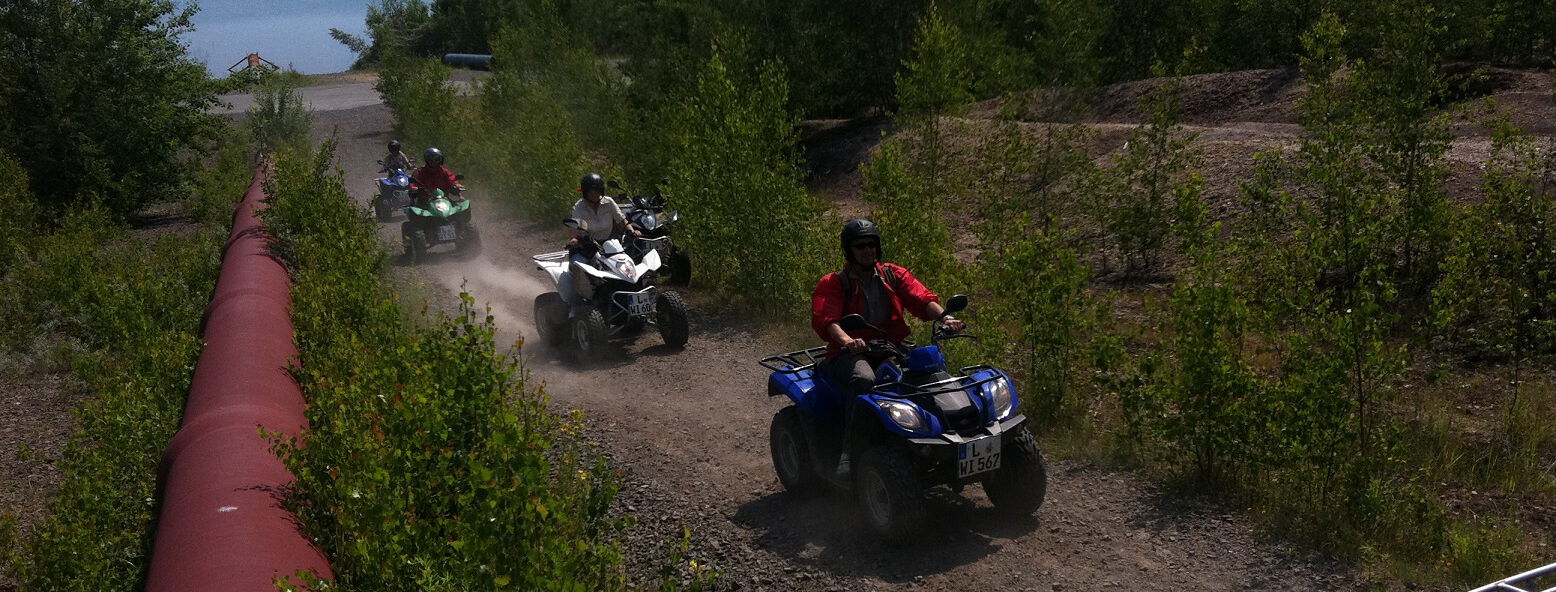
[(1524, 582), (252, 61)]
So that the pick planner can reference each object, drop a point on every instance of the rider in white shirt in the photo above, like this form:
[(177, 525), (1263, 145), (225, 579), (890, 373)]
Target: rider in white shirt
[(599, 219)]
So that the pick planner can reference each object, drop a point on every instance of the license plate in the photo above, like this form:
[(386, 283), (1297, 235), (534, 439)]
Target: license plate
[(978, 456), (641, 304), (446, 232)]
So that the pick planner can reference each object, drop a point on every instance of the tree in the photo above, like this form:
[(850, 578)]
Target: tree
[(100, 100)]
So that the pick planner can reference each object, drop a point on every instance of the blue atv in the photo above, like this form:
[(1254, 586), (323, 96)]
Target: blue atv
[(394, 193), (920, 426)]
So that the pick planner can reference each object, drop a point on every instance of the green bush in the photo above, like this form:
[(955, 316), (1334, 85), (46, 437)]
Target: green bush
[(279, 119), (131, 312), (526, 146), (222, 179), (1037, 312), (1399, 94), (431, 462), (744, 214), (1498, 299), (909, 216), (1138, 201), (21, 217), (1198, 395), (419, 96)]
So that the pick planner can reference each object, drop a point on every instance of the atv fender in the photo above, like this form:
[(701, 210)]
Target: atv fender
[(931, 423)]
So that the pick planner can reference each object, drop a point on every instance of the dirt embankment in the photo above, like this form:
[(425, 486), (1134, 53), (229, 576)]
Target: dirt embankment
[(1236, 114)]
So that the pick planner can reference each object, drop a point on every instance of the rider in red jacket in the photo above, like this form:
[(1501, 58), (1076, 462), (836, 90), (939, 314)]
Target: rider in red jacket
[(432, 175), (876, 291)]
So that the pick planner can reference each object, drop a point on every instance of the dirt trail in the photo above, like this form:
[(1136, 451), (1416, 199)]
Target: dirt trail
[(688, 429)]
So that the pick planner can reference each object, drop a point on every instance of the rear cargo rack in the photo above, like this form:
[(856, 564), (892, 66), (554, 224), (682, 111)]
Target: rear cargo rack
[(795, 361)]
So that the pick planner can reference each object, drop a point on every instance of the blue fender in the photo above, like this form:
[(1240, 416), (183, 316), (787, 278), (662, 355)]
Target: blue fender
[(932, 426)]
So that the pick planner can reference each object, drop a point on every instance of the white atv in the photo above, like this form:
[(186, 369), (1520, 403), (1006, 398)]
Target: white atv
[(620, 299)]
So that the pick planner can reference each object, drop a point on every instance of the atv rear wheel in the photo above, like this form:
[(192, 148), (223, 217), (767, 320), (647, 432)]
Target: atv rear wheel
[(890, 492), (382, 210), (670, 315), (791, 453), (551, 318), (589, 334), (1019, 485), (680, 267)]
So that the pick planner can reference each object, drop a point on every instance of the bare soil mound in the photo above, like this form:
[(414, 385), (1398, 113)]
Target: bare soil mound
[(1237, 116)]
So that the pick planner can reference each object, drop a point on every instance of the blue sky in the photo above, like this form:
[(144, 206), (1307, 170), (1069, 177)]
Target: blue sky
[(287, 32)]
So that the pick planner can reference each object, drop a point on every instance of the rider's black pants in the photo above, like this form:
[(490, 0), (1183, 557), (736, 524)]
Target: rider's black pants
[(856, 374)]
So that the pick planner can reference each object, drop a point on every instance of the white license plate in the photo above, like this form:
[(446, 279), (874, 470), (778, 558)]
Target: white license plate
[(978, 456), (446, 232), (641, 304)]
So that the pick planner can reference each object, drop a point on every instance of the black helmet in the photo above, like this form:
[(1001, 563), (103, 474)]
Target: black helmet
[(856, 229), (394, 145), (433, 156), (592, 181)]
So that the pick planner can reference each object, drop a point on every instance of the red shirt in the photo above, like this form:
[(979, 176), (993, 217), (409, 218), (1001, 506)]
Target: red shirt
[(431, 177), (828, 304)]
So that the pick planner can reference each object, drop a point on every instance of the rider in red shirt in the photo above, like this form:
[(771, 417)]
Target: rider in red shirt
[(868, 287), (432, 175), (876, 291)]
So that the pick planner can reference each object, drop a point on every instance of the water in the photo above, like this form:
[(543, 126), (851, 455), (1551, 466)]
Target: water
[(293, 33)]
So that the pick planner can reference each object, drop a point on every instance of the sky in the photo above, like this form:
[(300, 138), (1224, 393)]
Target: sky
[(293, 33)]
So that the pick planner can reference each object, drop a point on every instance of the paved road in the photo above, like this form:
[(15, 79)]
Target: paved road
[(335, 97)]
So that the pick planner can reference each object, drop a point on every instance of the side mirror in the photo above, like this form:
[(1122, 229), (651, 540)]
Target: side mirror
[(613, 184), (853, 322), (955, 305), (570, 223), (459, 177)]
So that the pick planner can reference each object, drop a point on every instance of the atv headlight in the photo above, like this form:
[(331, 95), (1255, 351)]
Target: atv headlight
[(1003, 397), (441, 206), (903, 414)]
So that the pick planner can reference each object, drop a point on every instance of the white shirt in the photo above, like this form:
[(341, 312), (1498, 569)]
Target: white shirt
[(601, 221)]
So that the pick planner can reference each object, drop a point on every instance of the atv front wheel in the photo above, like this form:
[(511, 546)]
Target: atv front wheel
[(551, 318), (890, 492), (670, 315), (589, 334), (791, 454), (416, 247), (470, 244), (1018, 487)]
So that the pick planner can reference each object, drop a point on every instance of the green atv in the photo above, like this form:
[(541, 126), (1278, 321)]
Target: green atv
[(443, 220)]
